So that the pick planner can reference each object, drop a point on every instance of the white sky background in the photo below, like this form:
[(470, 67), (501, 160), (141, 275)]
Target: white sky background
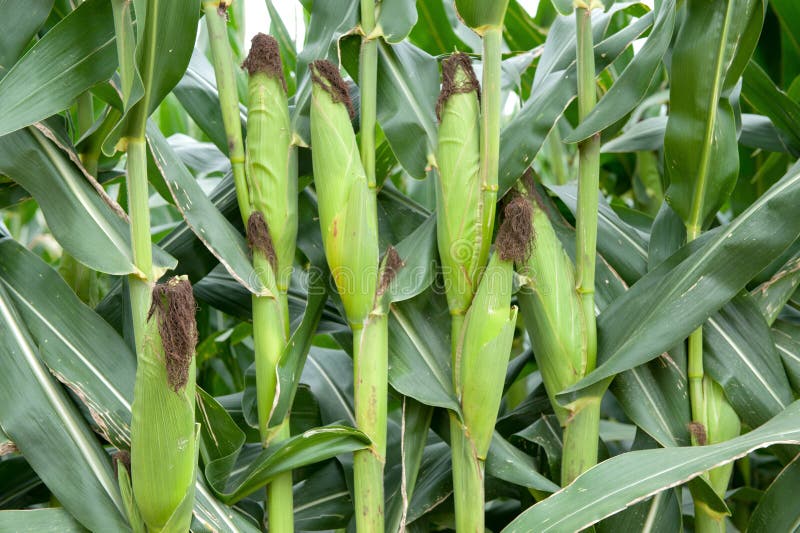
[(257, 18)]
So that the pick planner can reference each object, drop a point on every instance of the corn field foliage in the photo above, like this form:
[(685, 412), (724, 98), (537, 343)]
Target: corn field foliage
[(443, 266)]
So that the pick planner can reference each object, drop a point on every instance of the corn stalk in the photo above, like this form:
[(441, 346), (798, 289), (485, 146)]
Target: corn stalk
[(349, 222), (265, 177), (581, 428)]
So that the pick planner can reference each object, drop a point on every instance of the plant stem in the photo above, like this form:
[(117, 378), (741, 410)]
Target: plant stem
[(468, 492), (490, 133), (138, 207), (370, 354), (228, 100), (368, 78), (85, 112), (580, 442), (695, 364)]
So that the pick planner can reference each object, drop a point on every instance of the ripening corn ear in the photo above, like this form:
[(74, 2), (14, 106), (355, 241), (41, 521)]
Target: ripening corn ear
[(163, 434), (489, 328), (347, 205), (271, 162), (271, 167), (463, 244), (552, 310), (349, 222)]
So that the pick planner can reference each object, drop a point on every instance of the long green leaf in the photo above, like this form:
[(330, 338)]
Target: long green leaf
[(17, 28), (408, 85), (80, 474), (628, 478), (38, 159), (772, 295), (395, 19), (700, 149), (740, 355), (776, 511), (75, 55), (679, 295), (40, 521), (631, 86), (256, 467), (761, 93), (201, 215), (419, 351), (787, 342), (523, 136), (83, 351)]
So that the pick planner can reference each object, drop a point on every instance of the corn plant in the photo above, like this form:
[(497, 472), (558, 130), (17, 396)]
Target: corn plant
[(454, 265)]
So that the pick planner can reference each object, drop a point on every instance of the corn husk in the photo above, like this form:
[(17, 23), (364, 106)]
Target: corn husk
[(552, 311), (463, 246), (163, 432), (347, 205), (485, 349), (270, 159)]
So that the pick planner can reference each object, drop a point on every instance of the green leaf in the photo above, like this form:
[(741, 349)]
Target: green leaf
[(401, 479), (523, 136), (625, 479), (520, 30), (508, 463), (631, 87), (395, 19), (760, 92), (329, 21), (418, 252), (76, 54), (329, 373), (17, 27), (433, 31), (740, 355), (83, 351), (772, 295), (40, 521), (787, 342), (619, 243), (776, 511), (645, 135), (676, 297), (700, 150), (80, 474), (202, 216), (165, 48), (197, 93), (256, 466), (293, 358), (130, 81), (419, 351), (322, 501), (40, 160), (408, 86), (19, 484)]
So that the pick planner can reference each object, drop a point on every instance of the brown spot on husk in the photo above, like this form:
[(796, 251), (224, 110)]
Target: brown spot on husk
[(121, 457), (392, 263), (516, 232), (698, 431), (259, 238), (265, 56), (222, 9), (174, 306), (326, 75), (450, 85)]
